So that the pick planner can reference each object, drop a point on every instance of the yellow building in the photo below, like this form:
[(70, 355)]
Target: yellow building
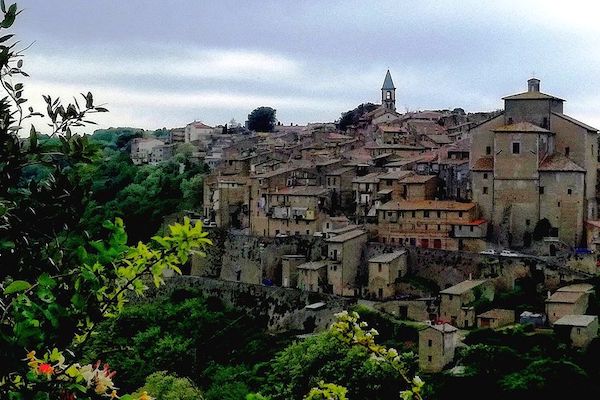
[(344, 253)]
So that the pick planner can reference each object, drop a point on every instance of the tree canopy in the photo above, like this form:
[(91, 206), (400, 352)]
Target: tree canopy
[(262, 119)]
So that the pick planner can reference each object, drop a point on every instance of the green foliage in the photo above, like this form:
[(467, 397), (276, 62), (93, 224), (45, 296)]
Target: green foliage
[(262, 119), (165, 386), (327, 391), (352, 117), (345, 355)]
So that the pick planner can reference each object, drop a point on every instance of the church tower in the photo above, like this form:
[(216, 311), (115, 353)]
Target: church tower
[(388, 93)]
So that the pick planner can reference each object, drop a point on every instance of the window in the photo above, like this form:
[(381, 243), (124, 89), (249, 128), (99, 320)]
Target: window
[(388, 95), (471, 228), (541, 190), (460, 214), (439, 227), (414, 214), (527, 222), (488, 150), (439, 214), (545, 123), (328, 181), (569, 191), (516, 148), (425, 214), (567, 151), (485, 175), (485, 190), (379, 267), (334, 267), (429, 358), (430, 343), (308, 232), (559, 203), (510, 121)]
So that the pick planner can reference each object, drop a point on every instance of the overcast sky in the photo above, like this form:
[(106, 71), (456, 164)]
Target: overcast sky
[(165, 63)]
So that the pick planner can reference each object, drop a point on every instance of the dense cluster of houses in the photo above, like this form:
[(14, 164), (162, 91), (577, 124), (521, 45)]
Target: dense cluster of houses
[(430, 179)]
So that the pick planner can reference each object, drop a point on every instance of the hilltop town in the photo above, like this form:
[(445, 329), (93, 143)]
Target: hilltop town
[(428, 216)]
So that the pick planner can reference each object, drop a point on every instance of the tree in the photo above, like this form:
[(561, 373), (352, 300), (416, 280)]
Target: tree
[(352, 117), (262, 119), (164, 386)]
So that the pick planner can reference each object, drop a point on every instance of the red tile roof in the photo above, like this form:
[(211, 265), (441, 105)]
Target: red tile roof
[(558, 162), (484, 164)]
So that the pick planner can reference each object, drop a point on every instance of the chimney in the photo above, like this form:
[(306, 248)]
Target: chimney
[(533, 85)]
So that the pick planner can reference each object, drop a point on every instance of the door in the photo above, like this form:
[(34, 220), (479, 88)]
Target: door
[(425, 243), (437, 243)]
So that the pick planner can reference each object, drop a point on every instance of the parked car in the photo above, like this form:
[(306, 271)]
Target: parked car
[(508, 253), (489, 252)]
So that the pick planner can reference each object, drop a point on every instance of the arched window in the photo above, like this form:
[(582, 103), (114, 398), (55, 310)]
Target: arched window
[(388, 95)]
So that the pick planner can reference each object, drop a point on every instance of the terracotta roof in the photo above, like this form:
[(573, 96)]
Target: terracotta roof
[(313, 265), (595, 223), (439, 139), (564, 297), (346, 236), (531, 96), (484, 164), (524, 127), (418, 178), (369, 178), (396, 175), (558, 162), (394, 146), (340, 171), (391, 128), (426, 205), (461, 145), (577, 288), (338, 136), (576, 320), (463, 286), (444, 328), (200, 125), (576, 122), (474, 223), (387, 257), (300, 191), (496, 313)]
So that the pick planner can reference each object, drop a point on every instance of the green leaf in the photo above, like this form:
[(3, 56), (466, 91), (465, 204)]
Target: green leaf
[(17, 286)]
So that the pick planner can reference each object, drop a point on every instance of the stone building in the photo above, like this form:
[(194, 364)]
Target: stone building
[(444, 224), (226, 200), (142, 150), (436, 347), (533, 162), (339, 181), (198, 132), (384, 269), (568, 300), (579, 330), (496, 318), (344, 253), (456, 302), (289, 271), (312, 276)]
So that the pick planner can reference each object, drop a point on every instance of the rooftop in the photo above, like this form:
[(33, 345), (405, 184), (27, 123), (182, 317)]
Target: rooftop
[(418, 178), (576, 122), (387, 82), (558, 162), (496, 313), (300, 191), (577, 288), (426, 205), (531, 96), (369, 178), (387, 257), (524, 127), (344, 237), (483, 164), (444, 328), (565, 297), (313, 265), (463, 287), (576, 320)]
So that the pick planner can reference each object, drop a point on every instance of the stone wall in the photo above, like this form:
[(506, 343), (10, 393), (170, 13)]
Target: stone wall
[(282, 308)]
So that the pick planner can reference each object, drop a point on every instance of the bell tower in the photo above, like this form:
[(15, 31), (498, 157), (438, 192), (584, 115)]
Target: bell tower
[(388, 93)]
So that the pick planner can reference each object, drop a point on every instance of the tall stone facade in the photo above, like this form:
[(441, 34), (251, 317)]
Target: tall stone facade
[(533, 162)]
